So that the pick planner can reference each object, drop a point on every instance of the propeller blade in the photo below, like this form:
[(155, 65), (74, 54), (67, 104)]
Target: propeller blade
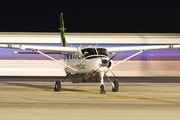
[(94, 71), (113, 56)]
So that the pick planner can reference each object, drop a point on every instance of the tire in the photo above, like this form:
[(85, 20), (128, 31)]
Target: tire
[(57, 87), (116, 86), (102, 91)]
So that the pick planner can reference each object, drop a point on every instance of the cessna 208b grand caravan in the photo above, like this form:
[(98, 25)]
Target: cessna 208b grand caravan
[(85, 64)]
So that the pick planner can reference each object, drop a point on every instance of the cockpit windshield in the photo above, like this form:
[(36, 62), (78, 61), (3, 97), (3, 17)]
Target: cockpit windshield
[(102, 51), (89, 51), (94, 51)]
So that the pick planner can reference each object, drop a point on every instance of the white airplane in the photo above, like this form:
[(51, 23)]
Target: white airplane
[(85, 64)]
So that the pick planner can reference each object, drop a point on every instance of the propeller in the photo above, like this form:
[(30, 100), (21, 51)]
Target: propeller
[(113, 56), (105, 62)]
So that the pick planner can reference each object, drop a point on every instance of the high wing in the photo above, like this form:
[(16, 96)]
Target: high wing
[(139, 48), (38, 49), (56, 49)]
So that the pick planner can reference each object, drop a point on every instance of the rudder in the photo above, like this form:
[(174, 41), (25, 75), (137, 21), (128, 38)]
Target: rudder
[(62, 32)]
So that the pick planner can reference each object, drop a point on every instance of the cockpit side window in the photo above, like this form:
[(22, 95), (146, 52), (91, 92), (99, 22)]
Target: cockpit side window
[(88, 51), (102, 51)]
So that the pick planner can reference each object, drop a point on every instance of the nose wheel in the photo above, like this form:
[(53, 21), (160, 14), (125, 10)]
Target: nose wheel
[(102, 86), (102, 90)]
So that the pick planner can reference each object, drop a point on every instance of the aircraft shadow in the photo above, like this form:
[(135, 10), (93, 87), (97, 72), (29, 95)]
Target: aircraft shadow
[(43, 87)]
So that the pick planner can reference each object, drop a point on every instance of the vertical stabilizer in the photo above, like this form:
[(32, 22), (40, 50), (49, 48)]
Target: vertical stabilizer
[(62, 32)]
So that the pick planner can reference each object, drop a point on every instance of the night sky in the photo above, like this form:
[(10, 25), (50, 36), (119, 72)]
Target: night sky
[(92, 17)]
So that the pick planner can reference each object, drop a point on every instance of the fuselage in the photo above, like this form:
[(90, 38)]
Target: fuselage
[(88, 59)]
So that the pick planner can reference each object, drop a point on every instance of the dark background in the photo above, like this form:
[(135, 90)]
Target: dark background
[(91, 16)]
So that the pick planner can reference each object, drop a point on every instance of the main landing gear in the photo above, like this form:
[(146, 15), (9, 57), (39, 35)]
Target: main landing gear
[(57, 87), (58, 84), (115, 87), (115, 84)]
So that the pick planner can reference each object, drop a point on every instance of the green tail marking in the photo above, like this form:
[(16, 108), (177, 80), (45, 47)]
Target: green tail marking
[(62, 31)]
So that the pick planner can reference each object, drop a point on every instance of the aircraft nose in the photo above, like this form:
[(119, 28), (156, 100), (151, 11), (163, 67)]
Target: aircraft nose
[(104, 61)]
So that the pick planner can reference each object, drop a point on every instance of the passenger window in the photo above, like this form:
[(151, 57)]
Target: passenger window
[(68, 57), (74, 56)]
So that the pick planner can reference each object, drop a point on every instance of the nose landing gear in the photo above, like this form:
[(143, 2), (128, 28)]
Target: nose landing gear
[(102, 90), (115, 84), (102, 86)]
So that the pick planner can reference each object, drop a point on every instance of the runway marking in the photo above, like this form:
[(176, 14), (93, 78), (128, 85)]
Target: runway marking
[(151, 97), (73, 93), (105, 97), (154, 97), (123, 94), (31, 99), (139, 98)]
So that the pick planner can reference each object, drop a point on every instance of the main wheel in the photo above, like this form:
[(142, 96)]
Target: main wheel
[(102, 91), (57, 87), (116, 86)]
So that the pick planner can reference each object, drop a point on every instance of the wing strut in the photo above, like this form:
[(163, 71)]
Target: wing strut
[(129, 57), (55, 60)]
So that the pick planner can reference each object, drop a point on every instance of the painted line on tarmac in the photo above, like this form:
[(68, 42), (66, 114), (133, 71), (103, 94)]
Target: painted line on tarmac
[(139, 98), (30, 99)]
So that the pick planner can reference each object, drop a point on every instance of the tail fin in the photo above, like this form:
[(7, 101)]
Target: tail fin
[(62, 32)]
